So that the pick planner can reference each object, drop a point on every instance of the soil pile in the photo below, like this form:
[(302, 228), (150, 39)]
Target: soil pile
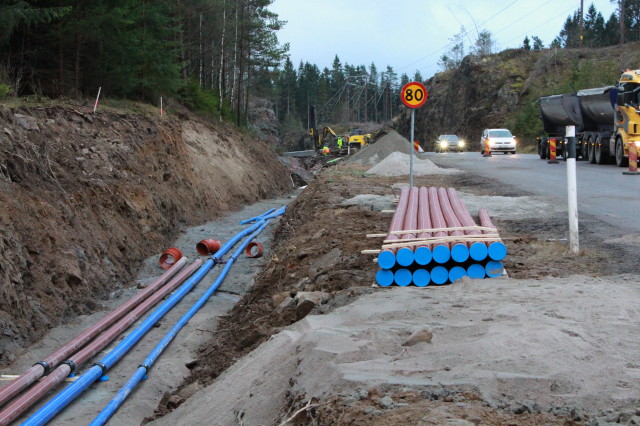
[(85, 198), (397, 164), (378, 151)]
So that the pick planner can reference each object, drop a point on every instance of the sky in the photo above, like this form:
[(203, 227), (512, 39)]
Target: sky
[(412, 35)]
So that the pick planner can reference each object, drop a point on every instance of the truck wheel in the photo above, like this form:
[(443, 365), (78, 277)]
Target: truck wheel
[(592, 152), (599, 152), (542, 148), (584, 150), (621, 160)]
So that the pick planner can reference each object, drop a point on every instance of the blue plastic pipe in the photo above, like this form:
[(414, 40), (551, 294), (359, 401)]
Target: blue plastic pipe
[(256, 218), (141, 372), (68, 394)]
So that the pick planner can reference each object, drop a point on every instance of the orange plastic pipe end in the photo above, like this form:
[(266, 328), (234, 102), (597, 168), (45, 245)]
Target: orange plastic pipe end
[(208, 246), (169, 257), (251, 253)]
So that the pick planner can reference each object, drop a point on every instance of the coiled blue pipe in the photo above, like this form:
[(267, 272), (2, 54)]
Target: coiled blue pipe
[(140, 373), (68, 394)]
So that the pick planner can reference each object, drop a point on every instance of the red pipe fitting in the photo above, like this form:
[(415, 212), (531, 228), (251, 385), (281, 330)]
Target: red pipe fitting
[(169, 257), (249, 249), (208, 246)]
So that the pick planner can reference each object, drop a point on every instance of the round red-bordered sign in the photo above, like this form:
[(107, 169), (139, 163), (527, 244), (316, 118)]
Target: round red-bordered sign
[(414, 94)]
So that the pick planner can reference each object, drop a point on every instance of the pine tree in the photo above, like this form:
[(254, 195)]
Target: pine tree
[(537, 43), (526, 45)]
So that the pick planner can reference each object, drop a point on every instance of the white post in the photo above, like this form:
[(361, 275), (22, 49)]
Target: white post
[(413, 115), (572, 190), (97, 97)]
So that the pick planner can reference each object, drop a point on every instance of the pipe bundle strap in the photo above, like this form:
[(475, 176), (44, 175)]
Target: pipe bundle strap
[(45, 365), (72, 365)]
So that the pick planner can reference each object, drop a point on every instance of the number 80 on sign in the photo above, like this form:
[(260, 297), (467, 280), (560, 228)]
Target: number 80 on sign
[(414, 94)]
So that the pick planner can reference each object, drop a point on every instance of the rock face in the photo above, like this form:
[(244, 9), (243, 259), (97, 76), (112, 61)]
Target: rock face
[(263, 119)]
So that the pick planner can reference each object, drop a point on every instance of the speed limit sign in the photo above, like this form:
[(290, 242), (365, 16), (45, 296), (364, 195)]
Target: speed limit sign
[(414, 94)]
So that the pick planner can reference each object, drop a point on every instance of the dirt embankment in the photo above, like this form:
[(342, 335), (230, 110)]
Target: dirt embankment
[(84, 198)]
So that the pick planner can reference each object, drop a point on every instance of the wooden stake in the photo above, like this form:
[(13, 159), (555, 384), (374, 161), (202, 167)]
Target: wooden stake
[(95, 106)]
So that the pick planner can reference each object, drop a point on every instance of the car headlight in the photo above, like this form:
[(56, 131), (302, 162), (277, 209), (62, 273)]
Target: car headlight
[(515, 141), (461, 144), (491, 142), (443, 144)]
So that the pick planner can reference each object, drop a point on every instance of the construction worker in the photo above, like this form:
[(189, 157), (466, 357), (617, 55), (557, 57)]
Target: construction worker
[(326, 150), (339, 142)]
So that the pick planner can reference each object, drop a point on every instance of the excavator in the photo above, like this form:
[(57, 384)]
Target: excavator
[(354, 139)]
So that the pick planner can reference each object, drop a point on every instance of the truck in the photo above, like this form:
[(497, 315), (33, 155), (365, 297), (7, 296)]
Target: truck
[(606, 119)]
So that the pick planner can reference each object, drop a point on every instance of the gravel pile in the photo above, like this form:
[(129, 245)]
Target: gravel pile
[(397, 164), (378, 151)]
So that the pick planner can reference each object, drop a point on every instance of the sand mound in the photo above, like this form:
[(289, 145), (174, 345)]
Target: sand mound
[(378, 151), (397, 164)]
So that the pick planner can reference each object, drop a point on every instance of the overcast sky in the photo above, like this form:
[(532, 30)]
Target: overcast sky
[(411, 35)]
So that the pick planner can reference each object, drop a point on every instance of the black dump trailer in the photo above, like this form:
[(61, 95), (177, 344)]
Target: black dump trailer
[(591, 111)]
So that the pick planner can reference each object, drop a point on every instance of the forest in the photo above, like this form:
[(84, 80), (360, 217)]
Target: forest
[(211, 55)]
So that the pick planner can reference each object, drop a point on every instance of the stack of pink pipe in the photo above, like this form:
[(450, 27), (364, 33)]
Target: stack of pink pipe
[(448, 255)]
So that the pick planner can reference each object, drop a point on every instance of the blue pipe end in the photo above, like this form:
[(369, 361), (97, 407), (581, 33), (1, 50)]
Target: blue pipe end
[(405, 256), (421, 278), (478, 251), (494, 268), (439, 275), (460, 253), (386, 259), (476, 271), (441, 254), (403, 277), (423, 256), (104, 378), (456, 273), (497, 250), (384, 277)]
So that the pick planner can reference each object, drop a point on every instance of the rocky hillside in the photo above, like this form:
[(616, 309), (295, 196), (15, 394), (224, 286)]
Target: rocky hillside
[(85, 198), (502, 90)]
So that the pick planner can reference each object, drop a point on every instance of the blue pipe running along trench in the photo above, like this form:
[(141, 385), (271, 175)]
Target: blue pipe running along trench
[(141, 372), (99, 369)]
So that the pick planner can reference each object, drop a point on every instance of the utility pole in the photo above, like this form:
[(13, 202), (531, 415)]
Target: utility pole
[(581, 21)]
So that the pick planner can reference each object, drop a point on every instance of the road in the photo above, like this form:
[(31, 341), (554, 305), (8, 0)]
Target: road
[(603, 191)]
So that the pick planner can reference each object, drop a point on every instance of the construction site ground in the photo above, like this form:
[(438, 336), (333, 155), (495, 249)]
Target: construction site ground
[(555, 342)]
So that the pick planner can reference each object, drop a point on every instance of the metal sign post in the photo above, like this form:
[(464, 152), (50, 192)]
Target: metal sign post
[(574, 240), (413, 95), (413, 118)]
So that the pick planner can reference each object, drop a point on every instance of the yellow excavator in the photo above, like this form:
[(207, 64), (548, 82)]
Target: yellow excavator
[(358, 139)]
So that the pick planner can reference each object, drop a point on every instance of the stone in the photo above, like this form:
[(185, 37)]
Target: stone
[(174, 401), (317, 297), (303, 308), (189, 390), (386, 402), (191, 364), (459, 422), (368, 410), (635, 420), (377, 413), (577, 414), (280, 297), (29, 123), (626, 416), (420, 336), (448, 399), (362, 394), (288, 303)]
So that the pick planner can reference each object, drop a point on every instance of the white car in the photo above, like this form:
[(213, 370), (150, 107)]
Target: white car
[(500, 140)]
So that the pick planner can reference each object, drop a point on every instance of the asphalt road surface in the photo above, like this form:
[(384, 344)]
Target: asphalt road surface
[(603, 191)]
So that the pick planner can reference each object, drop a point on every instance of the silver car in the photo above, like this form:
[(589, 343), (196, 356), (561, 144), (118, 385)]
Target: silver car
[(500, 140), (449, 143)]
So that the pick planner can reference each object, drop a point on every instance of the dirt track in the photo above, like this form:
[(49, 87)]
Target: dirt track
[(317, 248)]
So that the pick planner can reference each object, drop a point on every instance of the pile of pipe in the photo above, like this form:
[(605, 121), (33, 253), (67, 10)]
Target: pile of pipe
[(433, 239)]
